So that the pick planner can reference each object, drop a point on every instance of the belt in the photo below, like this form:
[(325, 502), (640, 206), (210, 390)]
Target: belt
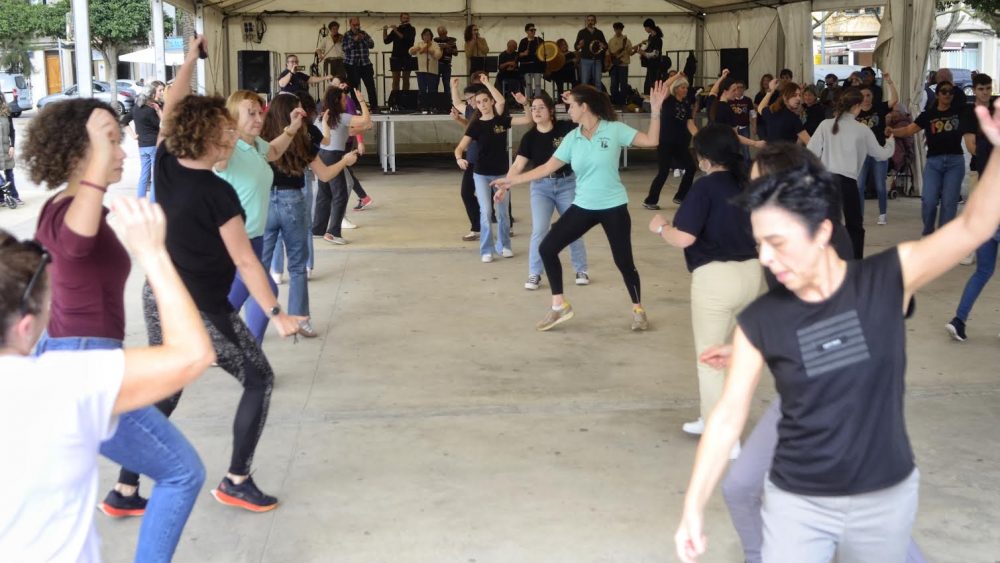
[(556, 175)]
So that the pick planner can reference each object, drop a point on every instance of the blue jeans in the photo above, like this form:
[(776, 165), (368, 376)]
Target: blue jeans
[(278, 262), (427, 82), (146, 442), (147, 157), (986, 261), (942, 181), (239, 295), (879, 169), (619, 82), (484, 194), (287, 218), (590, 72), (532, 84), (547, 195)]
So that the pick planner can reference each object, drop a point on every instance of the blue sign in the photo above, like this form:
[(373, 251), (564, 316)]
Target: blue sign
[(173, 43)]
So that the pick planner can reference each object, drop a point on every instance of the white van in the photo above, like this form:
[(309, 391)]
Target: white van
[(17, 92)]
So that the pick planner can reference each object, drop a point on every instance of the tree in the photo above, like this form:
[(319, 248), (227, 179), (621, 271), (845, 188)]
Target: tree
[(987, 11), (21, 23)]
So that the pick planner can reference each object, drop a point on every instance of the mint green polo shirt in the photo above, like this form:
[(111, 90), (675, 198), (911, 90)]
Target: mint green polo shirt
[(251, 176), (595, 163)]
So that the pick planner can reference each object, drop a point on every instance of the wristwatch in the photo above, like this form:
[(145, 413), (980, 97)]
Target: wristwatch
[(274, 311), (660, 230)]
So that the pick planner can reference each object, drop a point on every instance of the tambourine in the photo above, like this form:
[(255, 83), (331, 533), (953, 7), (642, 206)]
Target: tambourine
[(596, 47)]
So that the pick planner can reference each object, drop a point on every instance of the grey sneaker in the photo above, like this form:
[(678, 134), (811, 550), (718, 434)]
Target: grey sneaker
[(639, 321), (582, 278), (533, 281), (552, 318), (306, 329), (472, 235)]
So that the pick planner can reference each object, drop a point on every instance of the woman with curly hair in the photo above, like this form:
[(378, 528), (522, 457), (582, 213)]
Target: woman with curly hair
[(288, 215), (207, 241), (76, 144)]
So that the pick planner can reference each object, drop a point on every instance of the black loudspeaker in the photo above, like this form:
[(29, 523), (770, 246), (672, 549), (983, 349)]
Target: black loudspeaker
[(435, 102), (738, 63), (254, 71), (404, 101)]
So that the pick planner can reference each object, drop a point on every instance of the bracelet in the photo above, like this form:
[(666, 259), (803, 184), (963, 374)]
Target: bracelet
[(654, 116), (98, 187), (289, 133)]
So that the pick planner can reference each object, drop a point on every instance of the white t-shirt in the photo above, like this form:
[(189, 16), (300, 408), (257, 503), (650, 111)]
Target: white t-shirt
[(55, 410)]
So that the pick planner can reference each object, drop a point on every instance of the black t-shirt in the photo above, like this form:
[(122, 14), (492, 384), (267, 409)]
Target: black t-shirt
[(503, 73), (284, 181), (942, 129), (539, 147), (447, 44), (196, 203), (983, 145), (589, 37), (298, 83), (875, 119), (491, 135), (781, 126), (760, 96), (722, 228), (723, 114), (401, 45), (839, 367), (815, 114), (674, 115), (147, 125), (741, 109), (530, 62)]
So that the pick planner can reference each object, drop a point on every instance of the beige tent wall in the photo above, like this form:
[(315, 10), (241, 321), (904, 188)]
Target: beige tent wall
[(755, 29), (214, 65)]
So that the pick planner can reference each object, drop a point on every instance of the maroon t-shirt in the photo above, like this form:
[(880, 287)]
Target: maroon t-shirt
[(87, 276)]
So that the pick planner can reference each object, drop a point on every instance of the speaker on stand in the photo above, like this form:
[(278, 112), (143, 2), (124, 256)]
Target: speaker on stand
[(738, 63), (254, 71)]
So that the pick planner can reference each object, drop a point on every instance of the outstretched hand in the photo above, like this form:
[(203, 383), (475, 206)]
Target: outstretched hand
[(520, 98), (502, 183), (144, 223), (657, 95)]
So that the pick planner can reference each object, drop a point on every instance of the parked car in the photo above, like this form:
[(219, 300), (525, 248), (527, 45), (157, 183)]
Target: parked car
[(17, 92), (102, 91), (962, 77), (129, 86)]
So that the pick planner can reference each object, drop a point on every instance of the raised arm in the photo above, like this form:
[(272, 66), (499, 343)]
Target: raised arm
[(456, 96), (498, 100), (893, 92), (361, 122), (522, 118), (924, 260), (156, 372), (722, 430), (85, 213), (766, 101), (278, 146), (715, 87), (651, 137), (181, 87)]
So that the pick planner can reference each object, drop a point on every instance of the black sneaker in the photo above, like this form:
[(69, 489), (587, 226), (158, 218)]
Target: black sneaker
[(651, 206), (359, 206), (956, 328), (117, 505), (246, 495)]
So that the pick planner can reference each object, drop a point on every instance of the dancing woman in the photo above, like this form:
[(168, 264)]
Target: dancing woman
[(674, 152), (592, 150)]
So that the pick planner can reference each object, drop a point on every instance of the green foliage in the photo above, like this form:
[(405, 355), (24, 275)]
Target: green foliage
[(23, 21)]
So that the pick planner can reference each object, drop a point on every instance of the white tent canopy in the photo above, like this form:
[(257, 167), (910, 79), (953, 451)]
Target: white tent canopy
[(147, 56)]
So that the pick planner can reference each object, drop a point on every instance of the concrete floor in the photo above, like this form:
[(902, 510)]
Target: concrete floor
[(430, 422)]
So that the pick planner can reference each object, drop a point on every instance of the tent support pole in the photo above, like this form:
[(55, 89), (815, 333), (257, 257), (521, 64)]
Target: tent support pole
[(226, 86), (904, 79), (781, 46), (159, 56), (199, 27)]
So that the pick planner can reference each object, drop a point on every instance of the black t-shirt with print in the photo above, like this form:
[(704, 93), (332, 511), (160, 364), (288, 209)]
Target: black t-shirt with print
[(781, 126), (722, 229), (875, 119), (741, 109), (839, 366), (539, 147), (196, 203), (298, 83), (674, 115), (491, 136), (942, 129)]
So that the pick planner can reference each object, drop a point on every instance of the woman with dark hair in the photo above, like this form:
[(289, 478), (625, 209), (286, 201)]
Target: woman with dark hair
[(59, 409), (554, 192), (146, 128), (427, 62), (207, 241), (332, 195), (475, 47), (674, 152), (812, 111), (720, 253), (651, 54), (843, 144), (945, 168), (843, 478), (287, 212), (874, 115), (781, 118), (592, 150), (77, 144)]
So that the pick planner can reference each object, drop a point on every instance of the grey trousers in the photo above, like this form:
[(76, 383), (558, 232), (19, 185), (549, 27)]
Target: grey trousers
[(743, 487)]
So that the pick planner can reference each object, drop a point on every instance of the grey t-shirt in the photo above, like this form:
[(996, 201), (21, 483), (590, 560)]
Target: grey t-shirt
[(338, 134)]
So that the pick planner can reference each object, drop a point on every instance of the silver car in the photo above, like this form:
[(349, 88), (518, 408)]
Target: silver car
[(102, 91), (17, 92)]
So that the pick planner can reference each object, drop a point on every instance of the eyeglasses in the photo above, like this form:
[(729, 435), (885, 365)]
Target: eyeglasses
[(33, 245), (945, 92), (532, 29)]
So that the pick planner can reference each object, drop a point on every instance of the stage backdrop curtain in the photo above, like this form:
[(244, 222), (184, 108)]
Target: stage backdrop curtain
[(796, 22)]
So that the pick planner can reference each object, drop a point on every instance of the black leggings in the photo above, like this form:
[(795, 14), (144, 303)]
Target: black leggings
[(671, 156), (852, 214), (238, 353), (331, 199), (574, 224)]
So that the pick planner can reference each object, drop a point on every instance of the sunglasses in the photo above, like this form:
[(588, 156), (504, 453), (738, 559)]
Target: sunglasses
[(945, 92), (33, 245)]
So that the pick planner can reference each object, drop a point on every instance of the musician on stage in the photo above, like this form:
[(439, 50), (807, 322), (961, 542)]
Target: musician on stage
[(357, 47), (449, 48), (331, 51), (527, 57), (293, 80), (591, 43), (650, 54), (620, 49), (402, 37)]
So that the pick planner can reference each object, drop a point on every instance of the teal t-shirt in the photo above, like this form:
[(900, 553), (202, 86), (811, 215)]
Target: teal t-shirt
[(595, 163), (250, 175)]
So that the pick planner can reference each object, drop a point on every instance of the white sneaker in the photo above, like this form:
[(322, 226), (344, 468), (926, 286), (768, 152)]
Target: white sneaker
[(882, 220), (347, 224), (487, 258), (508, 253), (309, 273), (697, 427), (533, 281), (276, 277), (678, 173), (735, 452), (968, 260)]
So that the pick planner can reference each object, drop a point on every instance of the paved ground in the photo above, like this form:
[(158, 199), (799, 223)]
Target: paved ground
[(430, 422)]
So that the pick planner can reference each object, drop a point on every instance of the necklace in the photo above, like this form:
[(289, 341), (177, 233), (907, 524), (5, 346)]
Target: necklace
[(591, 131)]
